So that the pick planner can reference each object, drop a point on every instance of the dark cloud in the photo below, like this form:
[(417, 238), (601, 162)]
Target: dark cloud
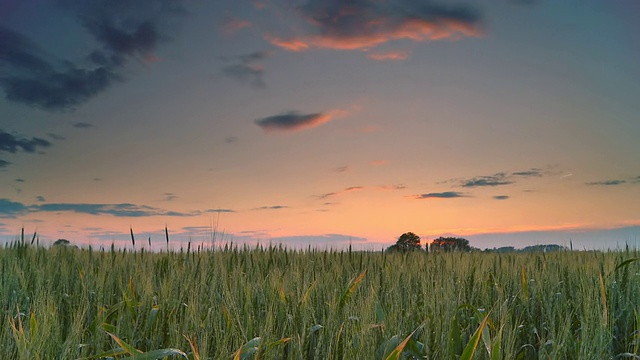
[(274, 207), (491, 180), (19, 180), (441, 195), (364, 24), (10, 209), (119, 210), (615, 182), (292, 121), (170, 196), (56, 136), (346, 190), (246, 70), (82, 125), (533, 172), (124, 30), (12, 144), (40, 199), (219, 211), (501, 197), (231, 139), (607, 182)]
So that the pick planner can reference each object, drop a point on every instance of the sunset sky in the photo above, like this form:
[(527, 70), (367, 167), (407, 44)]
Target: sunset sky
[(321, 122)]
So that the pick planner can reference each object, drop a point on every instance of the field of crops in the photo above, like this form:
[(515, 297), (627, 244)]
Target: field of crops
[(272, 303)]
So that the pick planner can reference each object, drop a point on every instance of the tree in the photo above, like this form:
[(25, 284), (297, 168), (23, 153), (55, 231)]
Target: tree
[(406, 242), (61, 242), (447, 244)]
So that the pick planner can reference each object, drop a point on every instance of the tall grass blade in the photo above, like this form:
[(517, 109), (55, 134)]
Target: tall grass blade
[(346, 296), (157, 354), (470, 349), (605, 313), (626, 263), (397, 352), (247, 350), (525, 286), (128, 348), (133, 239)]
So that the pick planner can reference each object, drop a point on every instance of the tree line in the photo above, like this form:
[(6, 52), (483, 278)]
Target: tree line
[(411, 242)]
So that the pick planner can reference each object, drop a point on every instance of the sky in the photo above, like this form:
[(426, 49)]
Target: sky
[(322, 123)]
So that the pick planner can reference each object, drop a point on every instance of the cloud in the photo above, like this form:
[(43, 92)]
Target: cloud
[(615, 182), (219, 211), (274, 207), (40, 199), (232, 24), (533, 172), (123, 30), (365, 24), (245, 69), (607, 182), (19, 180), (10, 209), (344, 191), (82, 125), (501, 197), (12, 144), (230, 139), (293, 121), (490, 180), (341, 169), (441, 195), (169, 196), (394, 55), (119, 210)]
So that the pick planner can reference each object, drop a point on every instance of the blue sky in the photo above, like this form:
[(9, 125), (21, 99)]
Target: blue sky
[(321, 122)]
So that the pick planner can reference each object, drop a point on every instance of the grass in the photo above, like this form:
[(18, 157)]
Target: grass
[(273, 303)]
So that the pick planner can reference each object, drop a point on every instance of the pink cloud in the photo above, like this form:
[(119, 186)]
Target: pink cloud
[(393, 55)]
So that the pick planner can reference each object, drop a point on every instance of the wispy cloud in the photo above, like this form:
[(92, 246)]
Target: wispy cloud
[(341, 169), (365, 24), (11, 209), (245, 68), (293, 121), (490, 180), (119, 210), (498, 179), (218, 211), (343, 191), (169, 196), (501, 197), (232, 24), (10, 143), (441, 195), (615, 182), (123, 30), (83, 125), (393, 55), (13, 143), (273, 207)]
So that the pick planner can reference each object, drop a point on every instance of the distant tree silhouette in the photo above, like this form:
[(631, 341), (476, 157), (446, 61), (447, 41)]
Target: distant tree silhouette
[(61, 242), (406, 242), (448, 244)]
